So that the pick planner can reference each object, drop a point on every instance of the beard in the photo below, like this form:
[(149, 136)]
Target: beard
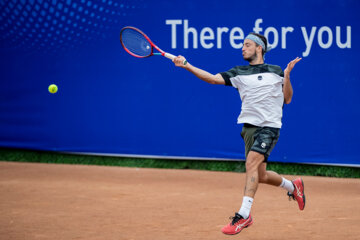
[(251, 58)]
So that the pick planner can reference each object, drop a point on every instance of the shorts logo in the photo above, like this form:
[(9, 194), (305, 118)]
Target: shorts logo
[(263, 145), (259, 77)]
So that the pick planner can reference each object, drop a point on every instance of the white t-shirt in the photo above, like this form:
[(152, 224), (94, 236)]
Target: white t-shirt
[(260, 89)]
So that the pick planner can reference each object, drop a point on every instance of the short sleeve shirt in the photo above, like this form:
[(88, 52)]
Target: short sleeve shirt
[(260, 89)]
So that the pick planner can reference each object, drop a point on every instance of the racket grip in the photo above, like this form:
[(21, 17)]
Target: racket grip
[(170, 56)]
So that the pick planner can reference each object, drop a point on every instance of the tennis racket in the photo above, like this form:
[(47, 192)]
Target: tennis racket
[(137, 44)]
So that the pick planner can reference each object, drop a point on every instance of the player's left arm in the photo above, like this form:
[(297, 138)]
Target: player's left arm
[(287, 88)]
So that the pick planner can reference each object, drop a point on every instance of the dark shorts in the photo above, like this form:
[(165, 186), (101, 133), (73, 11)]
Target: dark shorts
[(260, 139)]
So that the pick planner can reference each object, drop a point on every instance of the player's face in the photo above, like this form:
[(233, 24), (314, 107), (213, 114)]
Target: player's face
[(249, 50)]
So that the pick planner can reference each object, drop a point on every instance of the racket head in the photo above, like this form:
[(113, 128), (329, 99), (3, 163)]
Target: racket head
[(135, 42)]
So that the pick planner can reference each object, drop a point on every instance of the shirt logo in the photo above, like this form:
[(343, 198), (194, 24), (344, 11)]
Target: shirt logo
[(263, 145), (259, 77)]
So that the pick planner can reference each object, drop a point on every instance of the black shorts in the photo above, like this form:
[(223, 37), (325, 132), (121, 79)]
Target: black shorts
[(260, 139)]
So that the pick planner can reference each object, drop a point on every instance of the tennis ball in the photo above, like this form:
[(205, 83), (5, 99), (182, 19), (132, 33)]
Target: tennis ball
[(53, 88)]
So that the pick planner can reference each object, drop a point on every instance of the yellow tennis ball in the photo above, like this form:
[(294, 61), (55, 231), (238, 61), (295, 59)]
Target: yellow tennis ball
[(53, 88)]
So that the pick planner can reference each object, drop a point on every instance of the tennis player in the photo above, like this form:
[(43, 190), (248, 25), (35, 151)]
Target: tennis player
[(263, 90)]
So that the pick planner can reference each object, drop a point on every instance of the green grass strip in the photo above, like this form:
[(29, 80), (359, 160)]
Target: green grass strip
[(18, 155)]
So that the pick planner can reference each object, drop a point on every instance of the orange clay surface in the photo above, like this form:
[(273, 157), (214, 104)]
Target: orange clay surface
[(55, 201)]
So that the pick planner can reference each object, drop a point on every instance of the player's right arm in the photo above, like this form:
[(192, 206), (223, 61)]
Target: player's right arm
[(201, 74)]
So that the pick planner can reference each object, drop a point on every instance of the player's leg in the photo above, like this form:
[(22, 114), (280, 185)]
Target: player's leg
[(269, 177), (267, 139), (253, 162), (259, 141), (242, 219)]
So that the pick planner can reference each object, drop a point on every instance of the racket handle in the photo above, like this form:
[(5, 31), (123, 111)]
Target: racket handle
[(170, 56)]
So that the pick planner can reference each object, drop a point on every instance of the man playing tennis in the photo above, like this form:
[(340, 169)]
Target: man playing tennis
[(263, 89)]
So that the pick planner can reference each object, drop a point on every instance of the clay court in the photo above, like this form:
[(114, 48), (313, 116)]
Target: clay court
[(54, 201)]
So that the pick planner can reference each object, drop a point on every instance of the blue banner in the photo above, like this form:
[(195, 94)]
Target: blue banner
[(109, 102)]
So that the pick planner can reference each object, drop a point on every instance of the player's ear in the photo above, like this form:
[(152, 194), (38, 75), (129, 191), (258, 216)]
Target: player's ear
[(259, 49)]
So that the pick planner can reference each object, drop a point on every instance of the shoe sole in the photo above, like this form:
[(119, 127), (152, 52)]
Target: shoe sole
[(303, 192)]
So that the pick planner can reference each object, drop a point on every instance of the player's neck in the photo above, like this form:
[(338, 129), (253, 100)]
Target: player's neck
[(257, 61)]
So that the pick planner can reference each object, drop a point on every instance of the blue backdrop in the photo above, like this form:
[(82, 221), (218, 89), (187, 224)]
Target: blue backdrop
[(112, 103)]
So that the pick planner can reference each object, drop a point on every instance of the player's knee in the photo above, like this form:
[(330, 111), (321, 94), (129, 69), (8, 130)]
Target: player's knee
[(253, 161), (263, 177), (248, 164), (251, 165)]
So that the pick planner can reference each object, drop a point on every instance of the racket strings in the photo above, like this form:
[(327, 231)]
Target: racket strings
[(135, 42)]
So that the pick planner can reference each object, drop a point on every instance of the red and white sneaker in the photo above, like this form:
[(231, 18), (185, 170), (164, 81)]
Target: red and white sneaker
[(298, 193), (237, 224)]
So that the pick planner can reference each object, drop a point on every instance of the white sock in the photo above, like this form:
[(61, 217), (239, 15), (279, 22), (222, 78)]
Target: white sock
[(287, 185), (246, 207)]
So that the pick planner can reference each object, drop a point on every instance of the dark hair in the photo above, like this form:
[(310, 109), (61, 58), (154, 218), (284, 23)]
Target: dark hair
[(263, 38)]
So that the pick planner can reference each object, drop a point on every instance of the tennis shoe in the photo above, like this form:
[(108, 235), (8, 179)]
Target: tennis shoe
[(237, 224), (298, 193)]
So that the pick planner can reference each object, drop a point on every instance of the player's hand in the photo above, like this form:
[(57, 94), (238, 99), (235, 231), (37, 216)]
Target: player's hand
[(179, 61), (290, 66)]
